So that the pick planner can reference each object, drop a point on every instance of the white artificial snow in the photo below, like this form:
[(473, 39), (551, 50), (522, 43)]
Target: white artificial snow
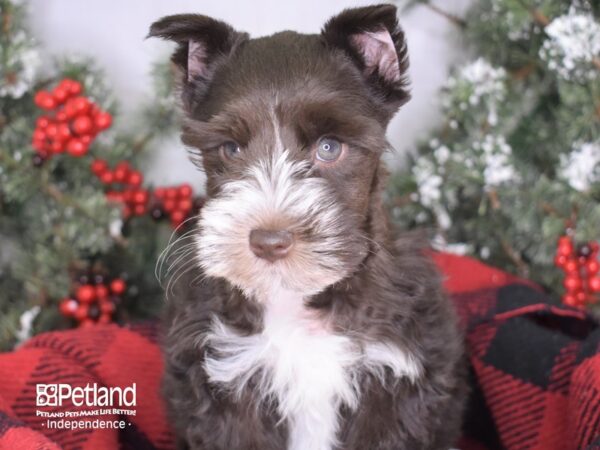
[(486, 80), (573, 42), (115, 228), (26, 321), (495, 158), (428, 182), (484, 252), (485, 84), (442, 154), (440, 243), (26, 63), (581, 167)]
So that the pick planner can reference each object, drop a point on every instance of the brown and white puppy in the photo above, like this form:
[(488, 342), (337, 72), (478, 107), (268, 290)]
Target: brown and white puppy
[(313, 326)]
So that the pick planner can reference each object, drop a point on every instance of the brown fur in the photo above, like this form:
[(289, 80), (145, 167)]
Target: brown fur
[(317, 86)]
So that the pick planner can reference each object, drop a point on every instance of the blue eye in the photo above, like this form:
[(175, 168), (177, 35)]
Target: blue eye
[(328, 149), (230, 150)]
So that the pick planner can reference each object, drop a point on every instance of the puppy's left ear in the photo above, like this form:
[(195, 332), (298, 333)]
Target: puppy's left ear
[(374, 41)]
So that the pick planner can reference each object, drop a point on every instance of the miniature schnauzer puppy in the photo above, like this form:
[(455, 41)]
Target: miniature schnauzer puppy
[(313, 326)]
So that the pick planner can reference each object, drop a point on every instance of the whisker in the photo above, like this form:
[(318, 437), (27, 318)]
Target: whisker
[(175, 278), (164, 255), (185, 254)]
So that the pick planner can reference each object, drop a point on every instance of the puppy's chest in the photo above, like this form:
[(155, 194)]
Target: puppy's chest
[(307, 368)]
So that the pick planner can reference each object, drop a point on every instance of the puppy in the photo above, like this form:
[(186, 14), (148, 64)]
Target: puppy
[(302, 321)]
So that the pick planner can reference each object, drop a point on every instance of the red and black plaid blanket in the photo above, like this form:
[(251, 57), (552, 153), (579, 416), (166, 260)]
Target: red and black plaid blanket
[(535, 373)]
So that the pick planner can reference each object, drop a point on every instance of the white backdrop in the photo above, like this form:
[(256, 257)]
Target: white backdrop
[(113, 33)]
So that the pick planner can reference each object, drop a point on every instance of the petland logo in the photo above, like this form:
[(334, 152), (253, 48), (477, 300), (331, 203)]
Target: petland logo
[(90, 395)]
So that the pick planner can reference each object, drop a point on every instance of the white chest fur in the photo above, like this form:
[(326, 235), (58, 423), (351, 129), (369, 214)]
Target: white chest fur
[(310, 370)]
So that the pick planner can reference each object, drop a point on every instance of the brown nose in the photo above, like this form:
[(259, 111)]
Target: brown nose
[(271, 245)]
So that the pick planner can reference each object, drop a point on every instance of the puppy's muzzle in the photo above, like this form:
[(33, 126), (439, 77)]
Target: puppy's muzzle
[(271, 245)]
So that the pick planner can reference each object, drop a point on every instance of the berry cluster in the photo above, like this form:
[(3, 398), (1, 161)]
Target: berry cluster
[(124, 186), (174, 201), (94, 301), (72, 125), (580, 265)]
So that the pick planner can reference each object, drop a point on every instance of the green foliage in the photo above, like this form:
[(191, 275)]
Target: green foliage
[(518, 158), (55, 220)]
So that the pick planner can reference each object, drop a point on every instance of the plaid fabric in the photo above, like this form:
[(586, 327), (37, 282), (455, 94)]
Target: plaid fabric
[(535, 373)]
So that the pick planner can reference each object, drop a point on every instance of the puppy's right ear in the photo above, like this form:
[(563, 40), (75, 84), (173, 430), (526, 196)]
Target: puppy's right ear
[(204, 43)]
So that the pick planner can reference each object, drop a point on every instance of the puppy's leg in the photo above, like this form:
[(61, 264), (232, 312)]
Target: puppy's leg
[(209, 419), (424, 417)]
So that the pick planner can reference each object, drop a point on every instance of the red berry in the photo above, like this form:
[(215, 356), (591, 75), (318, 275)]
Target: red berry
[(159, 193), (42, 122), (38, 135), (107, 306), (121, 171), (123, 165), (44, 100), (177, 217), (81, 105), (64, 132), (82, 125), (87, 323), (565, 249), (120, 174), (592, 266), (581, 297), (107, 177), (140, 197), (569, 300), (68, 306), (128, 196), (118, 286), (114, 196), (74, 87), (52, 130), (171, 193), (81, 313), (104, 318), (572, 283), (139, 210), (565, 240), (99, 166), (70, 109), (60, 95), (85, 293), (76, 148), (135, 178), (103, 120), (169, 205), (61, 116), (101, 291), (594, 284), (571, 266), (65, 84), (39, 145), (185, 190), (57, 147), (185, 205)]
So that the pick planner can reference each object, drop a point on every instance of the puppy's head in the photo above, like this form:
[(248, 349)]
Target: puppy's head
[(290, 129)]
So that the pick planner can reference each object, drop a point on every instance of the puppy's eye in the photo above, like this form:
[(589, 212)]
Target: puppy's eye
[(229, 150), (329, 149)]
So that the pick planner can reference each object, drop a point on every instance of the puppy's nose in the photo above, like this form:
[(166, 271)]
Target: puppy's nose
[(271, 245)]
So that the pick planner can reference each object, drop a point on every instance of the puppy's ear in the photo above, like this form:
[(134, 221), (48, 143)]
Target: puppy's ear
[(374, 41), (204, 43)]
